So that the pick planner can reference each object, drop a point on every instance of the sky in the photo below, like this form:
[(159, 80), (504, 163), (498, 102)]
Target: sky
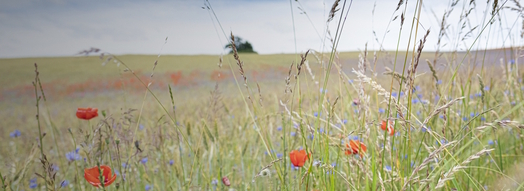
[(34, 28)]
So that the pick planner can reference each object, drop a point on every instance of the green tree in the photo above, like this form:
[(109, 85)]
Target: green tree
[(242, 46)]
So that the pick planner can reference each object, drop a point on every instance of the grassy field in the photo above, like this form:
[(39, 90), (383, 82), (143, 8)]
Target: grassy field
[(455, 118)]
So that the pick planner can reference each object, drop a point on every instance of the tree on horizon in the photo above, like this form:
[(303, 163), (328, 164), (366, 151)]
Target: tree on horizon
[(241, 45)]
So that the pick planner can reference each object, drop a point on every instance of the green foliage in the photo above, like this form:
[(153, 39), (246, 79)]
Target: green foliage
[(241, 45)]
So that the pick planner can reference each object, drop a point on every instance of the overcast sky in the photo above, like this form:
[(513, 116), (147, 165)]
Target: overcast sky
[(31, 28)]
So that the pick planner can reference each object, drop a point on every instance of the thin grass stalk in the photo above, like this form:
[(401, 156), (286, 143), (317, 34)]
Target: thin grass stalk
[(40, 136)]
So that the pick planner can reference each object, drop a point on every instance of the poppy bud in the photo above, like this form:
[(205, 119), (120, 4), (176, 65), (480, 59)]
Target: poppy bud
[(225, 180)]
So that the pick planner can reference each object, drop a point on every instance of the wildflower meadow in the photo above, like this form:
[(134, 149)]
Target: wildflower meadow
[(320, 119)]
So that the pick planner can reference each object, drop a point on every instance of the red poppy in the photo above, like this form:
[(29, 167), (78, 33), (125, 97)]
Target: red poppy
[(354, 147), (86, 113), (92, 175), (388, 127), (298, 158)]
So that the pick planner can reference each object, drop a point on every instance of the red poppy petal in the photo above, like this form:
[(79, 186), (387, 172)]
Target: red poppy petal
[(110, 181)]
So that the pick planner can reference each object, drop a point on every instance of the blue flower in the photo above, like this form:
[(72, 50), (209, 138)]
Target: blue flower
[(311, 136), (439, 82), (394, 94), (171, 162), (356, 110), (482, 119), (32, 183), (425, 129), (486, 88), (141, 127), (55, 167), (144, 160), (419, 96), (214, 182), (333, 164), (380, 110), (491, 142), (280, 155), (64, 183), (464, 118), (323, 90), (437, 98), (124, 165), (15, 133), (316, 114), (401, 94), (472, 114), (414, 101), (387, 168), (344, 121), (148, 187), (72, 156), (279, 128), (292, 134), (350, 81), (321, 130)]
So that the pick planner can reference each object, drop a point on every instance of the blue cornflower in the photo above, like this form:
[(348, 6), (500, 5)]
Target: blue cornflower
[(387, 168), (124, 165), (437, 98), (55, 167), (482, 119), (171, 162), (279, 128), (333, 164), (356, 111), (414, 101), (439, 82), (394, 94), (490, 142), (32, 183), (380, 110), (472, 114), (280, 155), (419, 96), (323, 90), (486, 88), (144, 160), (15, 133), (350, 81), (148, 187), (316, 114), (425, 129), (464, 118), (293, 134), (64, 183), (321, 130), (401, 94), (214, 182), (471, 96), (344, 121), (513, 103), (73, 155), (141, 127), (311, 136)]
